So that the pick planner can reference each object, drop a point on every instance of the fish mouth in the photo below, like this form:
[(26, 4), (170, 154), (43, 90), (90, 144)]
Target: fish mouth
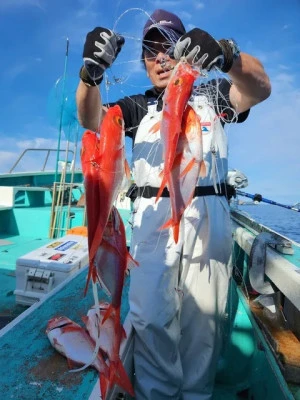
[(57, 322)]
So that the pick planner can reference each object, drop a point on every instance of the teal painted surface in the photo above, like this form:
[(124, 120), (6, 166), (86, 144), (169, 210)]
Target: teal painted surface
[(265, 379), (239, 345), (295, 258), (247, 365), (33, 221), (267, 382), (36, 178), (16, 247), (36, 370), (28, 198)]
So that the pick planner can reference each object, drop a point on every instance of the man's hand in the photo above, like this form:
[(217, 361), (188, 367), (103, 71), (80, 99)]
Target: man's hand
[(100, 50), (201, 49)]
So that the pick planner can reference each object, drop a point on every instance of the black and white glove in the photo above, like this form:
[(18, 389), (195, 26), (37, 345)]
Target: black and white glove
[(100, 50), (201, 49)]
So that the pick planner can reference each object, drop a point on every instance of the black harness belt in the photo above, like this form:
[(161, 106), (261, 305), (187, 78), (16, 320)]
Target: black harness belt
[(150, 191)]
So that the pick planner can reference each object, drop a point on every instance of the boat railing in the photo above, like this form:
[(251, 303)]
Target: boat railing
[(48, 151)]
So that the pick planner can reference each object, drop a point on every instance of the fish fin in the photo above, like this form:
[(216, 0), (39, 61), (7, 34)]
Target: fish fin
[(91, 274), (162, 186), (188, 167), (127, 169), (202, 172), (131, 262), (108, 313), (104, 385), (118, 376), (167, 225), (176, 232), (155, 127), (175, 226)]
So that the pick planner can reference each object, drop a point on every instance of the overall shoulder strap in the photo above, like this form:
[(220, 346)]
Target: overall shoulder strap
[(152, 105)]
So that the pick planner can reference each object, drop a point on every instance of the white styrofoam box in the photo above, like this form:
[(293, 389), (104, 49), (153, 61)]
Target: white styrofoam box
[(41, 270)]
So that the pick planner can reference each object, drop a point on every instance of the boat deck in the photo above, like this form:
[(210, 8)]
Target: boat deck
[(40, 371)]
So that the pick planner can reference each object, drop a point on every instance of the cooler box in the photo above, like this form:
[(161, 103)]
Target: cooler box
[(41, 270)]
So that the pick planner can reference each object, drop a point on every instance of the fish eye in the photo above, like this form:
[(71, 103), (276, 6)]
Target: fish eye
[(118, 120), (178, 82)]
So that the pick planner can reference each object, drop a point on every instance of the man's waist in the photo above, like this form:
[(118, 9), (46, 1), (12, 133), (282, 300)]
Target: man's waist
[(148, 192)]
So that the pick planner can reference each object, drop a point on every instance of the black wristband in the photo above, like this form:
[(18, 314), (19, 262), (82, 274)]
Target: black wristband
[(228, 55), (84, 76)]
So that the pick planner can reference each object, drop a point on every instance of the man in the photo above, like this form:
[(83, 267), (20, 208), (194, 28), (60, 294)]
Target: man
[(178, 294)]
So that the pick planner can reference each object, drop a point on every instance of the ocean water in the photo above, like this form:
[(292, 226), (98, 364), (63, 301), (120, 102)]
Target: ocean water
[(284, 221)]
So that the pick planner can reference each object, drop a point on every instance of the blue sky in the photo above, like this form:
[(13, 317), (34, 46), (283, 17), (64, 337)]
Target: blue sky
[(33, 37)]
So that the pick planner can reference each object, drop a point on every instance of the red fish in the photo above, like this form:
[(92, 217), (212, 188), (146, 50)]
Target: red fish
[(104, 167), (112, 260), (175, 99), (187, 166), (102, 330), (73, 342)]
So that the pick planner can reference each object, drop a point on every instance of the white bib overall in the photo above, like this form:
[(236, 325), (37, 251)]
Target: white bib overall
[(178, 293)]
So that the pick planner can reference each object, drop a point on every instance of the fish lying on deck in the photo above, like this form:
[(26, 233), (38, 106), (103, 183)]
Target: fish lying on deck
[(72, 341)]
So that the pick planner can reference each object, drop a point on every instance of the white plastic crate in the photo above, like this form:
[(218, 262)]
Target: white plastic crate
[(41, 270)]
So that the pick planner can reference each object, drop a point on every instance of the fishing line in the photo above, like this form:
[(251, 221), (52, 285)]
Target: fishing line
[(97, 344), (205, 87)]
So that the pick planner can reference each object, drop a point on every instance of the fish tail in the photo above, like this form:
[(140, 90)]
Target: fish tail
[(91, 274), (202, 169), (171, 224), (88, 279), (162, 186), (155, 127), (104, 385), (118, 376), (176, 232), (131, 262)]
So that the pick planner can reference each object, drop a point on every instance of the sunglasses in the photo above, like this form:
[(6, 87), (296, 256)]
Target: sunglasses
[(152, 49)]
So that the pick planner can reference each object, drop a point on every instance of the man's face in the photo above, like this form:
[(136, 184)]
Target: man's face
[(158, 63)]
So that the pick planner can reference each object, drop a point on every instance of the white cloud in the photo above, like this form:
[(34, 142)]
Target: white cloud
[(16, 143), (199, 5), (286, 26), (267, 146), (165, 4), (12, 72), (7, 158), (6, 4)]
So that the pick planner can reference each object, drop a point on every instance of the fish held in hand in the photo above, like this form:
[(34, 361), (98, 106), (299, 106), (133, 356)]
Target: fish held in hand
[(112, 261), (188, 165), (175, 99), (102, 330), (104, 167)]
